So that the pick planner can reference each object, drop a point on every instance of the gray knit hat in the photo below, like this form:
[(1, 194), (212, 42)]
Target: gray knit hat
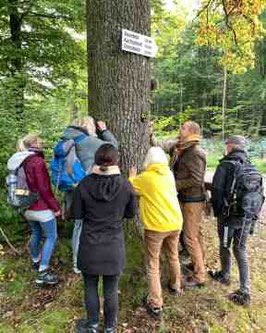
[(236, 140)]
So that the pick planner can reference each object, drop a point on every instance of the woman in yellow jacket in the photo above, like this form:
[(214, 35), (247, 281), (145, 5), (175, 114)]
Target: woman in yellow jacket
[(162, 218)]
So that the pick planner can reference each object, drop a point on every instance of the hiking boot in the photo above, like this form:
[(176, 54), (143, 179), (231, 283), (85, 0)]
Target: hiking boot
[(110, 329), (219, 277), (174, 291), (46, 277), (155, 312), (83, 326), (35, 265), (194, 284), (240, 298), (189, 267)]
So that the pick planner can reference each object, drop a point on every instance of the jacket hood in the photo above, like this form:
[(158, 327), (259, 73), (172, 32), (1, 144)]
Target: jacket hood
[(15, 160), (237, 154), (72, 132), (105, 188), (154, 155), (160, 168)]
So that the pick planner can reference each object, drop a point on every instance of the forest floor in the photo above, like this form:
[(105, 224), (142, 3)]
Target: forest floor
[(26, 308)]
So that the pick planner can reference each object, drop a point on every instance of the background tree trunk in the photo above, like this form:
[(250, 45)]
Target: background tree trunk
[(119, 82)]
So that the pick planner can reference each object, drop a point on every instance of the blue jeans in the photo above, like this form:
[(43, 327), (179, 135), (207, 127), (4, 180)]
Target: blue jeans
[(50, 232), (92, 302), (75, 241)]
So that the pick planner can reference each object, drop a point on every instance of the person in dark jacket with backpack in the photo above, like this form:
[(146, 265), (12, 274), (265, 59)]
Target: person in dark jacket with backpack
[(102, 200), (42, 213), (92, 136), (233, 227)]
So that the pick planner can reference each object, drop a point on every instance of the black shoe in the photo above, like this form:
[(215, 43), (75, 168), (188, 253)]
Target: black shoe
[(35, 265), (46, 277), (189, 267), (155, 312), (83, 326), (194, 284), (240, 298), (174, 291), (219, 277), (110, 329)]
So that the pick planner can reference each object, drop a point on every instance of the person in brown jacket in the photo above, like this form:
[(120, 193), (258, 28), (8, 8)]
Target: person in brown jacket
[(189, 170)]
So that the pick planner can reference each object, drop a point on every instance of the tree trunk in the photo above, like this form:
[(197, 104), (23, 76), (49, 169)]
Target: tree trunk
[(17, 62), (119, 82), (224, 102)]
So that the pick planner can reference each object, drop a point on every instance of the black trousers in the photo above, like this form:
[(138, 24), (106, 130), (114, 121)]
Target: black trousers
[(92, 302), (237, 237)]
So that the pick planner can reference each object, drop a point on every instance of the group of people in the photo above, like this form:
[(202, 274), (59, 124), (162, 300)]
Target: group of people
[(171, 199)]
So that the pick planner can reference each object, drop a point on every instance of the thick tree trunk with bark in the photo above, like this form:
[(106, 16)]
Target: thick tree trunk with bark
[(119, 81), (17, 62)]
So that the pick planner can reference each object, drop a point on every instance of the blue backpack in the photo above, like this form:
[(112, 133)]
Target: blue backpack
[(67, 170)]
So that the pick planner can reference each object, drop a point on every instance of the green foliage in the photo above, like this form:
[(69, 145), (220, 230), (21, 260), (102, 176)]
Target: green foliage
[(190, 81), (232, 27)]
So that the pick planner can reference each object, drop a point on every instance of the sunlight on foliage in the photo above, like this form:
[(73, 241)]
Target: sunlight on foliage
[(232, 27)]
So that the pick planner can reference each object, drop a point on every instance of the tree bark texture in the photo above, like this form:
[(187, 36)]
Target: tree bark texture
[(119, 81), (17, 61)]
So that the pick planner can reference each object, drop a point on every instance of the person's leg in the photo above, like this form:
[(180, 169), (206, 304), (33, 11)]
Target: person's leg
[(75, 243), (67, 204), (45, 275), (170, 246), (91, 298), (35, 241), (226, 235), (49, 229), (240, 252), (153, 242), (110, 291), (192, 213)]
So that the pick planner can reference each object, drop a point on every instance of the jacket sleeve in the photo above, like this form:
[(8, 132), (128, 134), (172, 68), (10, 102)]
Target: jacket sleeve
[(137, 184), (44, 184), (131, 206), (196, 169), (221, 186), (109, 137), (167, 145), (78, 205)]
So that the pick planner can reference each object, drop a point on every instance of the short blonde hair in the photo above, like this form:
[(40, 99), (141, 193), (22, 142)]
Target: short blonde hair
[(27, 142), (86, 123), (192, 126)]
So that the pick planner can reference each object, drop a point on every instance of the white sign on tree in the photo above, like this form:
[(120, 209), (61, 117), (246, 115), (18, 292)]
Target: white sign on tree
[(139, 44)]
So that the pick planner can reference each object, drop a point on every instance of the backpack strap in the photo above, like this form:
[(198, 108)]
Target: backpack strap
[(226, 207)]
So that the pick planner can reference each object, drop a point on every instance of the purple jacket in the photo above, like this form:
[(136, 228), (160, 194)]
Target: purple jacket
[(38, 180)]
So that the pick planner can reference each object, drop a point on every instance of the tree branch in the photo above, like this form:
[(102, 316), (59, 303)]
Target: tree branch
[(229, 26), (56, 17), (202, 10)]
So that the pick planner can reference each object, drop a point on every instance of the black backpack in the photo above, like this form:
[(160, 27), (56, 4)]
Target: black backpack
[(247, 194)]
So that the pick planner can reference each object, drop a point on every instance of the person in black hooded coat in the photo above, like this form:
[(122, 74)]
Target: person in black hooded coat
[(102, 200)]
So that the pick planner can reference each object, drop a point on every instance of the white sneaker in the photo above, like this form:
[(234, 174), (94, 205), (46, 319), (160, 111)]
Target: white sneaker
[(76, 270)]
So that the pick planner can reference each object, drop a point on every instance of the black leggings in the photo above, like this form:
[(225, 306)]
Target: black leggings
[(92, 302)]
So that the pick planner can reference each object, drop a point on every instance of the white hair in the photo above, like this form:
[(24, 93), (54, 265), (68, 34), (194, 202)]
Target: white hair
[(155, 155)]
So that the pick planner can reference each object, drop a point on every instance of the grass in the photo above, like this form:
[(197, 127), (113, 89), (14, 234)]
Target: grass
[(27, 308)]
